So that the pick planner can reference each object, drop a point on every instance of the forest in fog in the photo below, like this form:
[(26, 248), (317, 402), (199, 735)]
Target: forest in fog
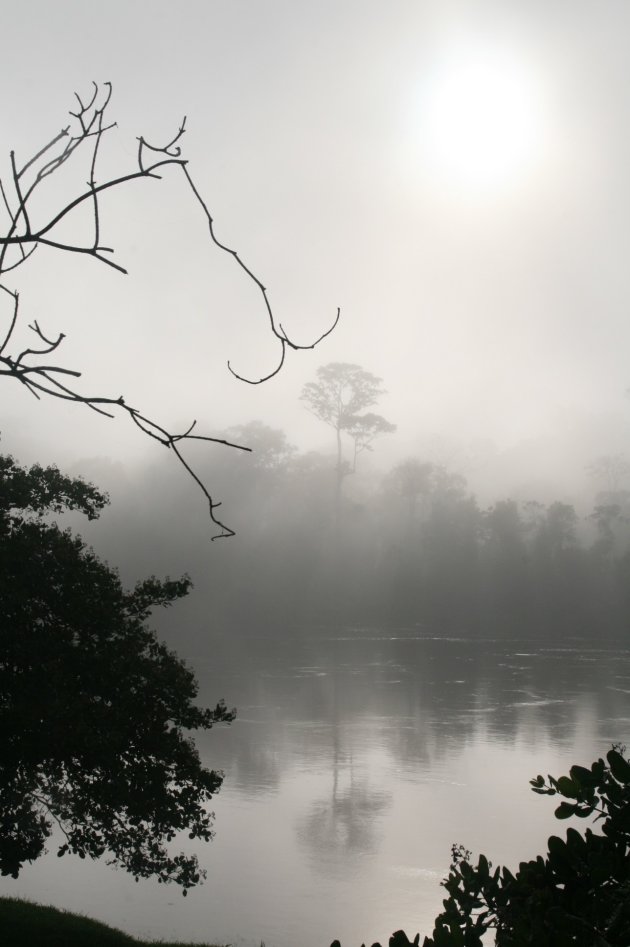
[(216, 221), (408, 545)]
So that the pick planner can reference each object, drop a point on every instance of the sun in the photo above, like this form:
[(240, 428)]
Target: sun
[(480, 120)]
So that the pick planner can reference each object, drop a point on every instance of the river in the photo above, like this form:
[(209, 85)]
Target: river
[(357, 759)]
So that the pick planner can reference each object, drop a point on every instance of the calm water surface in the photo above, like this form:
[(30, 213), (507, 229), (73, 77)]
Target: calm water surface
[(357, 759)]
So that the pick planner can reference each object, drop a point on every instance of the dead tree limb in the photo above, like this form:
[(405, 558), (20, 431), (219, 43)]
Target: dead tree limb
[(31, 366)]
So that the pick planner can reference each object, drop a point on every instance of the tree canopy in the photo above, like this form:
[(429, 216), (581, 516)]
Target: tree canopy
[(341, 392), (93, 708), (339, 397)]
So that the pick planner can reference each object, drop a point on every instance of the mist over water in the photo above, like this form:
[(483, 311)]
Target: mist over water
[(412, 631), (403, 656), (403, 659), (358, 757), (491, 646)]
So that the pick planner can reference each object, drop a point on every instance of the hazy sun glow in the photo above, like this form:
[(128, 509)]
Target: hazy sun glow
[(480, 120)]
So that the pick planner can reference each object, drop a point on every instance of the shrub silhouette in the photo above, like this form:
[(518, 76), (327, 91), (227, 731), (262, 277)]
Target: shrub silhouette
[(578, 894)]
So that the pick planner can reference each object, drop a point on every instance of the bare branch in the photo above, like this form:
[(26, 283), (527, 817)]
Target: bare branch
[(312, 345), (42, 151), (87, 195), (96, 252), (6, 202), (277, 330), (50, 346), (169, 149), (13, 322), (260, 381), (21, 211), (35, 327), (23, 258), (88, 129)]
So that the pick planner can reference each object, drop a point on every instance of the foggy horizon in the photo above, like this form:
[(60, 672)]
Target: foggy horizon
[(410, 628), (493, 307)]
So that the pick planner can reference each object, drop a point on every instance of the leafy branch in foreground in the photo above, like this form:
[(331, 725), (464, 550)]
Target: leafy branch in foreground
[(95, 712), (577, 895), (31, 366)]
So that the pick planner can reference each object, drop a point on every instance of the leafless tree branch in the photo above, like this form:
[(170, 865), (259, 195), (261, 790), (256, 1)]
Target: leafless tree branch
[(86, 131)]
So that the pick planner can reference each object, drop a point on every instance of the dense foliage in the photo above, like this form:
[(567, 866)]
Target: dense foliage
[(93, 708), (576, 895), (402, 543)]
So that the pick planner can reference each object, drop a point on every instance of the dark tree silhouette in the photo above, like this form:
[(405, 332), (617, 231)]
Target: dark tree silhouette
[(25, 232), (93, 708)]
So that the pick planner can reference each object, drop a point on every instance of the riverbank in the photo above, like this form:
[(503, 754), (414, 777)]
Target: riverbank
[(25, 924)]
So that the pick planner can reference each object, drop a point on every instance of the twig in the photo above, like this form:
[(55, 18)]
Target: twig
[(43, 379)]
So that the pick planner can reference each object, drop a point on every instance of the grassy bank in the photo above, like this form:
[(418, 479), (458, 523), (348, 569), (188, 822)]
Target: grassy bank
[(24, 924)]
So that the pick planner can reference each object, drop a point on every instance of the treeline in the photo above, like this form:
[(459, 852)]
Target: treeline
[(411, 547)]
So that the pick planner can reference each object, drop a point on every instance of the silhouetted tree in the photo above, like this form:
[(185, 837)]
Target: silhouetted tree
[(576, 894), (607, 519), (93, 708), (411, 480), (506, 556), (270, 448), (26, 231), (339, 398), (452, 540)]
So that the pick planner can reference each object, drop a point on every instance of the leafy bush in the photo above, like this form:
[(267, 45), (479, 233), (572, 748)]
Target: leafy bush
[(577, 895)]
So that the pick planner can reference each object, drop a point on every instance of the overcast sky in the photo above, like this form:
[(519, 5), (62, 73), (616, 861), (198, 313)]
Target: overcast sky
[(453, 175)]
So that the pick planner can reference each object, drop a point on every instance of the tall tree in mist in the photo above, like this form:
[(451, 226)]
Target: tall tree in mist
[(611, 472), (339, 397)]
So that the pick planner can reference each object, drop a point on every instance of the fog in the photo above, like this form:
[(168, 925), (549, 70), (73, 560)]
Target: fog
[(454, 177), (472, 240), (492, 303)]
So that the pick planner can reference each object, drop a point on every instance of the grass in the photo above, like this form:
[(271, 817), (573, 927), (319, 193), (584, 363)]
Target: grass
[(25, 924)]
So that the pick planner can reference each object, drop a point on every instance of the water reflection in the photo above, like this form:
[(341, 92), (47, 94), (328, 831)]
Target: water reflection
[(419, 697), (338, 829), (356, 760)]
